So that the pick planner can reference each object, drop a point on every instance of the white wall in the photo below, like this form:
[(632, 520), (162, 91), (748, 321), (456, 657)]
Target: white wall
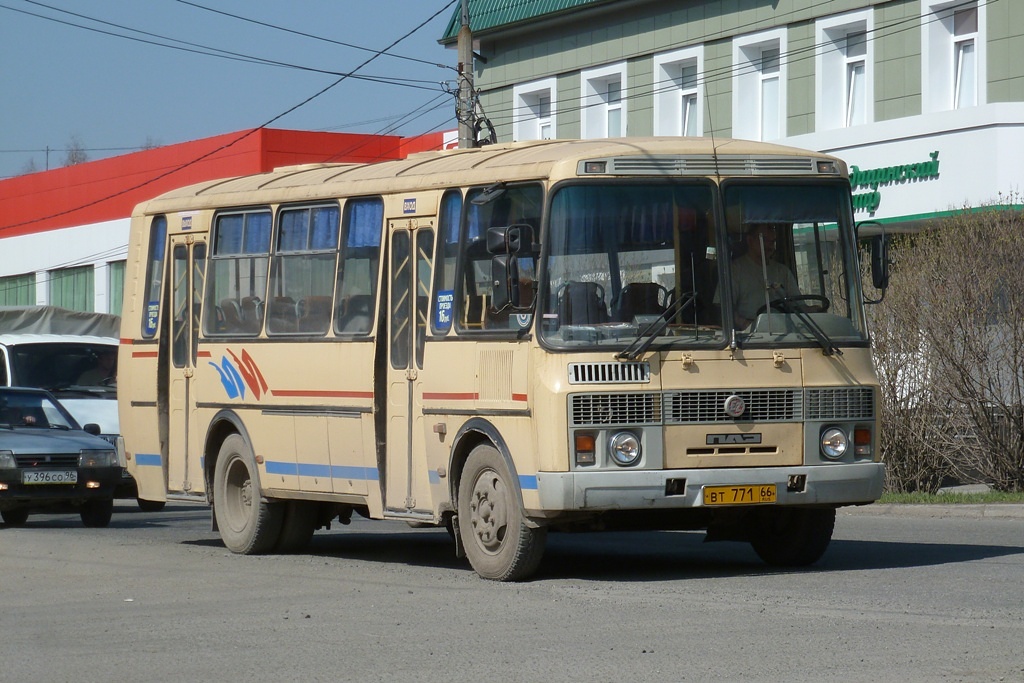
[(979, 151), (96, 244)]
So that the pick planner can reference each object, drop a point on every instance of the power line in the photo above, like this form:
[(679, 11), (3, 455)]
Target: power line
[(205, 50), (236, 140), (310, 35)]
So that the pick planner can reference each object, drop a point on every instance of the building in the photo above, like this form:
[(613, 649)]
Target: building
[(924, 99), (64, 233)]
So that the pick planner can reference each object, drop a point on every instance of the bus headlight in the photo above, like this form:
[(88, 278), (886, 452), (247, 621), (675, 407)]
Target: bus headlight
[(834, 443), (624, 448)]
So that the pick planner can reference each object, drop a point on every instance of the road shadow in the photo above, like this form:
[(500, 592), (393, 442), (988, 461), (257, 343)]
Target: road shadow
[(637, 556)]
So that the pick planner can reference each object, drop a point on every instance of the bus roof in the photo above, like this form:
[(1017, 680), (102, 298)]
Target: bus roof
[(506, 162)]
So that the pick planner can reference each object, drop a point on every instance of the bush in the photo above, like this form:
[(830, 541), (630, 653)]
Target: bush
[(949, 349)]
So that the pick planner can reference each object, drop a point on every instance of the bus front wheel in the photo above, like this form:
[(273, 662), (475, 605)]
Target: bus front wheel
[(248, 524), (498, 543), (793, 537)]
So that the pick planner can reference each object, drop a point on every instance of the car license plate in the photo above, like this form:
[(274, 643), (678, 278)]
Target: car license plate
[(753, 494), (49, 477)]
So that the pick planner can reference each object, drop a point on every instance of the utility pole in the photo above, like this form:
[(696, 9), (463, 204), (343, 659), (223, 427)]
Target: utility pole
[(465, 110)]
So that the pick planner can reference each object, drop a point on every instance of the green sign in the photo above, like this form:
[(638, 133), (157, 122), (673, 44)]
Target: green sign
[(889, 175)]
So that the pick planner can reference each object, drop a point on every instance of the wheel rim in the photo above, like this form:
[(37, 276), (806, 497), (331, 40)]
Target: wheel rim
[(489, 509), (237, 495)]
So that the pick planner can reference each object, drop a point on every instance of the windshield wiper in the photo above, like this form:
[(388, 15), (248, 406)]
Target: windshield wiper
[(827, 347), (646, 337)]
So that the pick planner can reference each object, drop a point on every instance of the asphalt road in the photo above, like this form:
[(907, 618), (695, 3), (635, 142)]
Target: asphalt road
[(933, 594)]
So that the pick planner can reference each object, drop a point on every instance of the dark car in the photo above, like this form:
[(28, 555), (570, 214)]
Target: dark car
[(47, 459)]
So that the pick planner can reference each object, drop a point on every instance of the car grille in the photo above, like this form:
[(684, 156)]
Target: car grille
[(707, 407), (51, 460)]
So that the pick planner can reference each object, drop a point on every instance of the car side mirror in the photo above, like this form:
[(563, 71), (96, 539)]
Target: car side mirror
[(92, 428)]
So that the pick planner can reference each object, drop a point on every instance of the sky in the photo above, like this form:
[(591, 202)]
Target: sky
[(67, 77)]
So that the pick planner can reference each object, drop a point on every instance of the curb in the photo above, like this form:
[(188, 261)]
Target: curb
[(986, 511)]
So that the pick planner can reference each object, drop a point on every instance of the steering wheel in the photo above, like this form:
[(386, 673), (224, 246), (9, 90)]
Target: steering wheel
[(786, 303)]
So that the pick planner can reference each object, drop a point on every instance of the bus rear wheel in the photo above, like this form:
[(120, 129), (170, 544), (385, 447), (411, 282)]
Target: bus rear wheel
[(793, 537), (498, 543), (248, 525)]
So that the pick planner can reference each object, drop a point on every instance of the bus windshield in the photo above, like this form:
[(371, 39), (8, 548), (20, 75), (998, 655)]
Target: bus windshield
[(622, 255), (627, 260), (792, 265)]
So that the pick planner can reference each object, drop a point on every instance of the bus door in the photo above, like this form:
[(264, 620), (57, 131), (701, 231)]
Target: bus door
[(187, 276), (407, 485)]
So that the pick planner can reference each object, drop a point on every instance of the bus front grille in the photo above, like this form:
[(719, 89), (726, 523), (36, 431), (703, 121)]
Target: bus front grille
[(708, 406)]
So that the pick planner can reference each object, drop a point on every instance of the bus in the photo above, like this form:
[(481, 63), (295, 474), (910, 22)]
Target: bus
[(508, 341)]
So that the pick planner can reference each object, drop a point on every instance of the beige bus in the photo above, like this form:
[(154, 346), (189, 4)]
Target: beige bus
[(662, 333)]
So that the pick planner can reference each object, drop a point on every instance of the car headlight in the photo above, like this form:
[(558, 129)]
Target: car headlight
[(624, 447), (7, 460), (834, 443), (97, 459)]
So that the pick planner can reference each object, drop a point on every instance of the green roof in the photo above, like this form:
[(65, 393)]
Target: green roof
[(487, 15)]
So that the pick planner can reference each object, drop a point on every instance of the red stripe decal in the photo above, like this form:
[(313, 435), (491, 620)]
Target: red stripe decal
[(296, 393), (144, 354), (519, 397), (443, 396)]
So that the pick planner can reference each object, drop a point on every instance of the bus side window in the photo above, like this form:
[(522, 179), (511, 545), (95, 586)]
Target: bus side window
[(237, 273), (358, 266), (443, 306), (507, 206)]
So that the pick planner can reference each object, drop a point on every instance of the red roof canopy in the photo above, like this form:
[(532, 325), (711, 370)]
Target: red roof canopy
[(109, 189)]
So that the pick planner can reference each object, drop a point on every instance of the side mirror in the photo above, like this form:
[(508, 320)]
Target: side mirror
[(92, 428), (512, 266), (515, 239), (880, 261)]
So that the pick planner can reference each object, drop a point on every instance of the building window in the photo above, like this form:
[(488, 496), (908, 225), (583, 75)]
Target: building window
[(73, 288), (678, 93), (759, 86), (844, 71), (603, 105), (965, 70), (18, 290), (533, 117), (953, 60), (115, 286)]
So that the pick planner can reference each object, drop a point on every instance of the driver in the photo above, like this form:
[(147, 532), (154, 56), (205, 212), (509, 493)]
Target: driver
[(749, 270), (104, 372)]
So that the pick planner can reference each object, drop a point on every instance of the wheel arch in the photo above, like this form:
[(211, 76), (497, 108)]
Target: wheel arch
[(225, 423), (474, 432)]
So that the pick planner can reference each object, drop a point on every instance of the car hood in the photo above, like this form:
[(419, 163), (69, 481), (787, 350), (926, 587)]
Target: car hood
[(37, 440)]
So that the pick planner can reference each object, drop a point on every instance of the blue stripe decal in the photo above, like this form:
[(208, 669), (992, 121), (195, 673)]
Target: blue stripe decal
[(323, 471), (148, 460), (361, 473), (528, 482)]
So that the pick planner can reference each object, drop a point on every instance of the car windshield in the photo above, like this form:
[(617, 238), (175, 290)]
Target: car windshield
[(63, 366), (32, 409), (634, 265)]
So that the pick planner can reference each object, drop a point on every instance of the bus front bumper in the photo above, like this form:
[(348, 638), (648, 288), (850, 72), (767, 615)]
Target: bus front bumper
[(840, 484)]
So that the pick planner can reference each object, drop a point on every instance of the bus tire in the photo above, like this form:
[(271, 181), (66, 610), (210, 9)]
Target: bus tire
[(499, 544), (248, 524), (297, 526), (793, 537), (96, 513)]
